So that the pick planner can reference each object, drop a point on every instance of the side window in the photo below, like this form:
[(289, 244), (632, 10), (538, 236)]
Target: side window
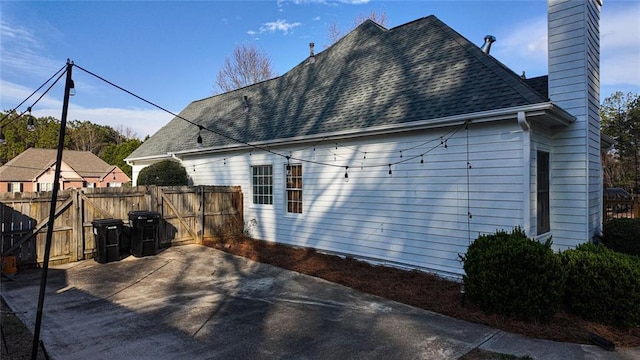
[(262, 177), (45, 186), (294, 188), (15, 187), (544, 225)]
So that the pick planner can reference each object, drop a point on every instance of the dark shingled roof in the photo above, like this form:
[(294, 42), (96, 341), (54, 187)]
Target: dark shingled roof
[(32, 162), (540, 84), (422, 70)]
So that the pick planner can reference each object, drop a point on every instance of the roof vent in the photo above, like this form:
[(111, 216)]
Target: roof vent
[(312, 57), (488, 40)]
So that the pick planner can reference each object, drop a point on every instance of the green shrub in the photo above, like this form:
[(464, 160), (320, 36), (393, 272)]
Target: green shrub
[(163, 173), (602, 285), (509, 274), (622, 235)]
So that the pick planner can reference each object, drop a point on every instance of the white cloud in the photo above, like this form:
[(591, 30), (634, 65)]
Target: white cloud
[(279, 25), (524, 47), (142, 121), (251, 32), (317, 18), (21, 53), (620, 46)]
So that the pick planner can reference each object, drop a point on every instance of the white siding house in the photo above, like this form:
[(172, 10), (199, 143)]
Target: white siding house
[(403, 145)]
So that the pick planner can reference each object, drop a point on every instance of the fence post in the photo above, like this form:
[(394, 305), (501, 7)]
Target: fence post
[(200, 213), (77, 229)]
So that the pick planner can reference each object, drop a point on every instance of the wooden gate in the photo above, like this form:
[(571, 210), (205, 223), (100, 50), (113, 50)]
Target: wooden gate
[(189, 215)]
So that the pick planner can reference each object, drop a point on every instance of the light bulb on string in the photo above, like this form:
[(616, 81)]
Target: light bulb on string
[(30, 125), (199, 139), (390, 172), (400, 154), (421, 158), (346, 174)]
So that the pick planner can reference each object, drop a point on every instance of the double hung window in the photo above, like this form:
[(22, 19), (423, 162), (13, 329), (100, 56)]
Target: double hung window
[(542, 177), (294, 188), (262, 177)]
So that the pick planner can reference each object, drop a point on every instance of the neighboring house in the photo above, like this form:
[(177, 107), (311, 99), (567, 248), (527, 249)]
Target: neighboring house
[(33, 170), (402, 145)]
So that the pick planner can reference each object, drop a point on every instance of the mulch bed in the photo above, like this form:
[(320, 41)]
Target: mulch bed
[(419, 289)]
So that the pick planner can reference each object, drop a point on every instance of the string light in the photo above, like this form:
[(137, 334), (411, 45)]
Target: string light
[(199, 139), (30, 125), (268, 149), (346, 174), (443, 140)]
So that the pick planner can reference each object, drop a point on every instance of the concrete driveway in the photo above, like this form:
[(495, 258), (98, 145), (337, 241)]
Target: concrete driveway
[(199, 303)]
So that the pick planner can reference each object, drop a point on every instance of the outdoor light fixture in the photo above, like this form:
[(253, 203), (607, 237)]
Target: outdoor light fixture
[(199, 139), (30, 125)]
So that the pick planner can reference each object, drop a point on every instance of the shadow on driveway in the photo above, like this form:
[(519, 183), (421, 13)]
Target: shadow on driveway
[(197, 302)]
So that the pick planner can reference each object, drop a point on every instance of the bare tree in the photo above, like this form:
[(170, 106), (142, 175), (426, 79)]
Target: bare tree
[(380, 19), (334, 33), (246, 66), (124, 133)]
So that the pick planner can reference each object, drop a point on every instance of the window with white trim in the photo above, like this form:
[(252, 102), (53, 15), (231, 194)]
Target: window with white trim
[(262, 177), (294, 188), (45, 186), (544, 224), (14, 187)]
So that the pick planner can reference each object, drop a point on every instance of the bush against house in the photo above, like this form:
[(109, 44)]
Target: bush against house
[(164, 173), (511, 275), (622, 235), (602, 285)]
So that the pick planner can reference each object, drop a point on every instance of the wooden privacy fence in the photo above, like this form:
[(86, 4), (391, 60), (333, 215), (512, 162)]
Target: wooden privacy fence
[(188, 215)]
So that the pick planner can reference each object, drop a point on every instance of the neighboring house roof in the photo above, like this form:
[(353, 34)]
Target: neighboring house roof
[(372, 77), (33, 162)]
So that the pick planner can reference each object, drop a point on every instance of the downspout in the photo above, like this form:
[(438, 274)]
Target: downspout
[(526, 172)]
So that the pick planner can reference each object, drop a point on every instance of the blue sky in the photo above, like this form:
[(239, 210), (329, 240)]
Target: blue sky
[(169, 52)]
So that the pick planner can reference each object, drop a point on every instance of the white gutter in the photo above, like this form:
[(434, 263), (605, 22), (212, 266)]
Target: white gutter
[(549, 109)]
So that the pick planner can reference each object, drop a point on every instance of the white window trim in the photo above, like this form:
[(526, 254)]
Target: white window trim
[(273, 195), (286, 194)]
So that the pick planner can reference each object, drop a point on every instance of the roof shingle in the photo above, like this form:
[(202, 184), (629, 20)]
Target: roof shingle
[(32, 162), (422, 70)]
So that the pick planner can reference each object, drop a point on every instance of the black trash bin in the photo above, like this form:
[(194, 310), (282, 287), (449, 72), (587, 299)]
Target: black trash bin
[(144, 232), (107, 235)]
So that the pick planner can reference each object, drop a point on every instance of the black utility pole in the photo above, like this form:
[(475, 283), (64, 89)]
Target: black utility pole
[(52, 212)]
